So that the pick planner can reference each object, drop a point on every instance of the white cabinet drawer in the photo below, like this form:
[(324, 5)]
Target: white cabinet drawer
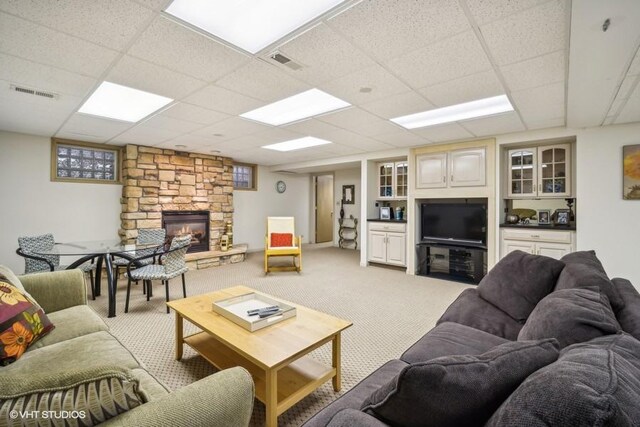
[(387, 226), (551, 236)]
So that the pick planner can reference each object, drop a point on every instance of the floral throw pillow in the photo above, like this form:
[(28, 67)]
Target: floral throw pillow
[(22, 322)]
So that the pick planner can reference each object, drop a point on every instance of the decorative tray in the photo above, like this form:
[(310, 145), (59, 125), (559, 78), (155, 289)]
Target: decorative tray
[(235, 309)]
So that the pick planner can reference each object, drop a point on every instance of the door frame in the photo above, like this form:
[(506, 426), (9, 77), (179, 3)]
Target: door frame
[(314, 200)]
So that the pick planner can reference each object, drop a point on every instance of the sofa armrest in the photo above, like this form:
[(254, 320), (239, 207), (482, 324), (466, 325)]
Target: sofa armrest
[(56, 290), (354, 418), (222, 399)]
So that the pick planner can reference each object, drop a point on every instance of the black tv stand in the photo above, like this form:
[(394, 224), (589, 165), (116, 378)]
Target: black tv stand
[(452, 260)]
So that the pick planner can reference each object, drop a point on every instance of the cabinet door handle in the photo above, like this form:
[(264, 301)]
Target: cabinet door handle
[(451, 178), (444, 179), (535, 236), (534, 188)]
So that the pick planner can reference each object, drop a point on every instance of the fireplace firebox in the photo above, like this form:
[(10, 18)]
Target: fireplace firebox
[(196, 223)]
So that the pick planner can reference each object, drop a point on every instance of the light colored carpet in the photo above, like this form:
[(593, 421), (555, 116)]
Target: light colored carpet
[(390, 310)]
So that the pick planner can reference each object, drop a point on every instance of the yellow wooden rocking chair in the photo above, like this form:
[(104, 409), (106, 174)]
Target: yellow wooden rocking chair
[(282, 241)]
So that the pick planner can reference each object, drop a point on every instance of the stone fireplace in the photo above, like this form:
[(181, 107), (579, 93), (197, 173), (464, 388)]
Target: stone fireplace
[(195, 223), (159, 181)]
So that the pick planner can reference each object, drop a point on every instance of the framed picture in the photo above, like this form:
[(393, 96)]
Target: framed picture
[(631, 174), (544, 216), (348, 194), (562, 217), (385, 212)]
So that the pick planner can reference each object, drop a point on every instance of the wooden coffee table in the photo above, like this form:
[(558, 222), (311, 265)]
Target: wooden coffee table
[(276, 356)]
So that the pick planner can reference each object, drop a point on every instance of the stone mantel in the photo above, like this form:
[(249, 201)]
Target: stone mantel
[(157, 180)]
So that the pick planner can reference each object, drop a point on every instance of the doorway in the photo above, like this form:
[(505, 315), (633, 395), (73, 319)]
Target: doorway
[(324, 208)]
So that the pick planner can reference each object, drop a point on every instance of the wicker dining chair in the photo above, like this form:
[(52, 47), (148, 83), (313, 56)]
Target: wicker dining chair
[(146, 236), (172, 264), (27, 248)]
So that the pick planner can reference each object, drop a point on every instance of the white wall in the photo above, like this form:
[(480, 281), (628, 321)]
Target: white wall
[(347, 177), (251, 208), (605, 222), (31, 204)]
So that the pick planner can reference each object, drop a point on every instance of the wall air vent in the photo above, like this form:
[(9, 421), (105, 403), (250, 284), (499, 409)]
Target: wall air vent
[(287, 62), (35, 92)]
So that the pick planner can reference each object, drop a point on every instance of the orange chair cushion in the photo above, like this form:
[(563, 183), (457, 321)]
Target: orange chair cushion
[(281, 239)]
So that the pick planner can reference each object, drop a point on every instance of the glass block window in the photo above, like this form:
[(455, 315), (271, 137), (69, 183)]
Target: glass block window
[(85, 163), (244, 176)]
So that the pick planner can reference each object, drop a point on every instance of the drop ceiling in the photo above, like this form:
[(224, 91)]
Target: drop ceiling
[(387, 58)]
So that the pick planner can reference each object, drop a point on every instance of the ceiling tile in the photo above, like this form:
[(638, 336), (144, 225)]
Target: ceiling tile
[(391, 28), (398, 105), (188, 146), (350, 139), (341, 149), (35, 42), (485, 11), (65, 104), (223, 100), (312, 127), (191, 139), (43, 77), (403, 138), (442, 133), (534, 116), (193, 113), (381, 82), (180, 49), (359, 121), (233, 127), (138, 74), (634, 69), (324, 56), (262, 81), (154, 4), (90, 128), (546, 123), (631, 111), (175, 125), (495, 125), (468, 88), (530, 33), (539, 99), (25, 118), (445, 60), (535, 72), (145, 135), (110, 23)]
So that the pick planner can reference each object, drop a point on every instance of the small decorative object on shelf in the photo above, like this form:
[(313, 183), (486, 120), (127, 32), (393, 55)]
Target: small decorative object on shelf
[(224, 243), (561, 217), (570, 202), (544, 216), (348, 232), (229, 232), (341, 209)]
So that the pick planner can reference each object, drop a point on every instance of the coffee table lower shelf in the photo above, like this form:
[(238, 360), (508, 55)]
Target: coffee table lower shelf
[(294, 381)]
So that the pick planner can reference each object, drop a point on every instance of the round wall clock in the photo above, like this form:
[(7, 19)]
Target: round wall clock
[(281, 186)]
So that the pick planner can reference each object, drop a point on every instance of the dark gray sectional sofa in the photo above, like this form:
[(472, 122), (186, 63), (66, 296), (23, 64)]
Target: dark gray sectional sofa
[(539, 342)]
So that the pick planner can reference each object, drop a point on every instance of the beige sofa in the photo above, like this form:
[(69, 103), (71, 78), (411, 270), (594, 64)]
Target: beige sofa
[(81, 342)]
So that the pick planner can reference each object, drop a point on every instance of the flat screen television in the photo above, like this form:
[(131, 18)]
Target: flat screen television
[(455, 223)]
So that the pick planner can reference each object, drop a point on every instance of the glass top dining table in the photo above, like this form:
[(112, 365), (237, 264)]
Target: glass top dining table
[(101, 251)]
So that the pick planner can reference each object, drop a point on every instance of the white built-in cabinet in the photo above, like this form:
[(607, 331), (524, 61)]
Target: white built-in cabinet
[(551, 243), (387, 243), (393, 180), (457, 168), (539, 172)]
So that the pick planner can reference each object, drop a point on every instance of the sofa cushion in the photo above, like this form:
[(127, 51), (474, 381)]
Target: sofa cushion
[(356, 396), (22, 322), (629, 315), (93, 394), (458, 390), (281, 240), (583, 269), (149, 387), (448, 339), (571, 316), (93, 350), (519, 281), (592, 384), (471, 310), (70, 323), (353, 417)]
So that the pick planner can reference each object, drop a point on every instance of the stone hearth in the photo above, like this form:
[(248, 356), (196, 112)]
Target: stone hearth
[(157, 180)]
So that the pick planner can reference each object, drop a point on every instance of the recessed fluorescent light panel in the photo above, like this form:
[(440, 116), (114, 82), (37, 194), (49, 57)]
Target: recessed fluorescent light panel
[(122, 103), (251, 25), (297, 144), (297, 107), (468, 110)]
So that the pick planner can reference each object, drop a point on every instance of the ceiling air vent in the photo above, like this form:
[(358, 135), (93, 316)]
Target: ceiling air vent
[(35, 92), (287, 62)]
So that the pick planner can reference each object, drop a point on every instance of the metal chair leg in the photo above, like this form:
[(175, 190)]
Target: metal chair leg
[(166, 284), (147, 284), (184, 287), (126, 304), (93, 286)]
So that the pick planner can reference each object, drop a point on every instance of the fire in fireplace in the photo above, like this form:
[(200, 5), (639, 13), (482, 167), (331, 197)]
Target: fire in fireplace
[(196, 223)]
